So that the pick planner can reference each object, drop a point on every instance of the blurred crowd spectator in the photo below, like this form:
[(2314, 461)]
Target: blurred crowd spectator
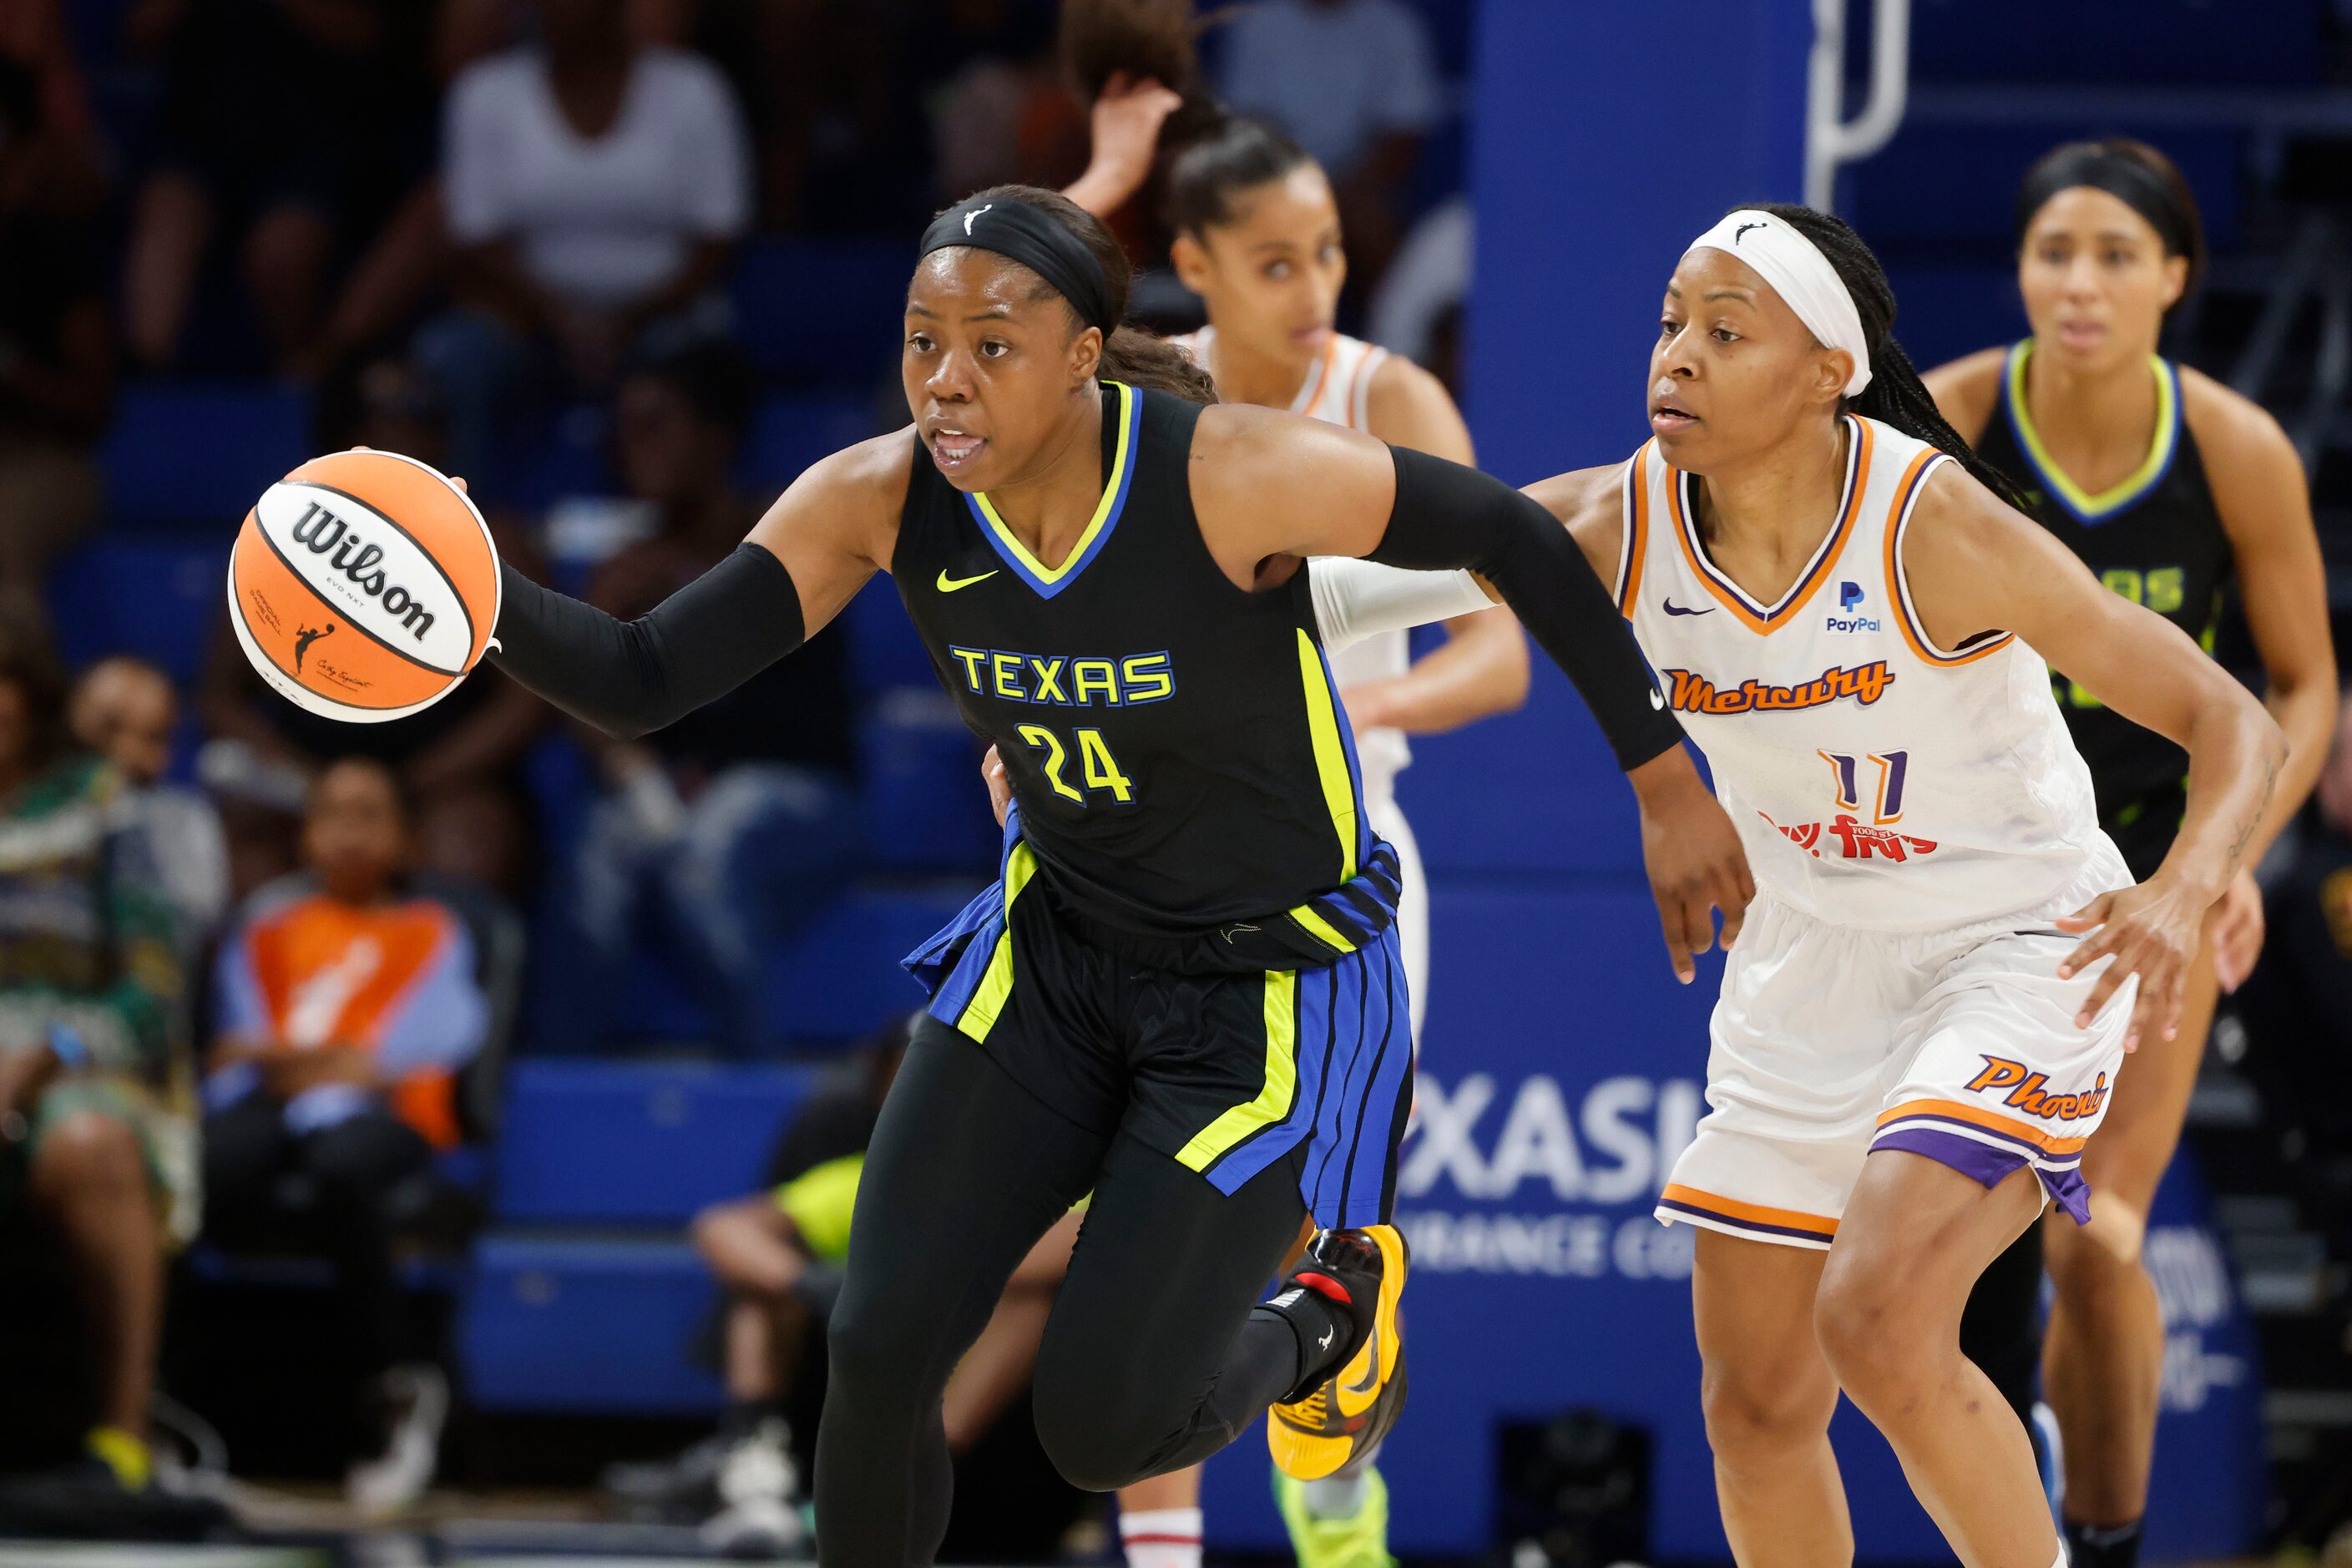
[(718, 838), (347, 1001), (595, 186), (95, 1126)]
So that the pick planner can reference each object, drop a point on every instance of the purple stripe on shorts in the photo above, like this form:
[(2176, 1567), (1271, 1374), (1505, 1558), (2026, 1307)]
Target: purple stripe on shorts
[(2033, 1150), (1759, 1226), (1971, 1159), (1989, 1167)]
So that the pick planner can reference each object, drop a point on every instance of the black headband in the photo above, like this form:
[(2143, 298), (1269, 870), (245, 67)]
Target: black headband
[(1036, 239), (2128, 180)]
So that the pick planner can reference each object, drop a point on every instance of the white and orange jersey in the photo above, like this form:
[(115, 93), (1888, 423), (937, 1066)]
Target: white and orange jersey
[(1876, 779), (1338, 391)]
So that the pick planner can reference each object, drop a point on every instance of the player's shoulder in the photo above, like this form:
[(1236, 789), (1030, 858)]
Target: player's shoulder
[(1398, 388), (1967, 389), (2230, 428)]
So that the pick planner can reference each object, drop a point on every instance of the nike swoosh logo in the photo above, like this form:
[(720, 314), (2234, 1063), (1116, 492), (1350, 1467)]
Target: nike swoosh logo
[(1674, 610), (949, 584), (1368, 1390)]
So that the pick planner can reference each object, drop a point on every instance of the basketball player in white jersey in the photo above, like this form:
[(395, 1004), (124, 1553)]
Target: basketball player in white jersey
[(1928, 1003), (1256, 235)]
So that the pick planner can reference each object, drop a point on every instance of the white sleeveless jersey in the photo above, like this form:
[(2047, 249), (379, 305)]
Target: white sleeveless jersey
[(1876, 780), (1336, 392)]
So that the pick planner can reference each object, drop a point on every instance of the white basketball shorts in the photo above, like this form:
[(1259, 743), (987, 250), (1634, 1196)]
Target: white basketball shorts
[(1831, 1042)]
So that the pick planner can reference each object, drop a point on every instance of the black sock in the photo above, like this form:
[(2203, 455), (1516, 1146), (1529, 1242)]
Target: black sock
[(2103, 1545), (1323, 1334)]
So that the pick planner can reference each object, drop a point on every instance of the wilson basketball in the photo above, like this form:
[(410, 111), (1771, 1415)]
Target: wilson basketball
[(364, 585)]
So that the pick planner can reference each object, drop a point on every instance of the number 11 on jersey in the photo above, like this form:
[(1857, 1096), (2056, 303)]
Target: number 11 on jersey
[(1887, 809)]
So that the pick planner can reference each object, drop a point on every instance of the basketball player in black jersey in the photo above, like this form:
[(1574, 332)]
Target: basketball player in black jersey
[(2167, 484), (1184, 995)]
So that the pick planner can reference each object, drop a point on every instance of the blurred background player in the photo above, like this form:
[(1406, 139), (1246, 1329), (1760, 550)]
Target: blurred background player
[(2168, 485), (346, 1003)]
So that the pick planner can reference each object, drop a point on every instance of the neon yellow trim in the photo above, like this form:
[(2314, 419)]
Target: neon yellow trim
[(1102, 507), (1305, 915), (2159, 451), (979, 1014), (1273, 1101), (819, 1202), (1331, 752)]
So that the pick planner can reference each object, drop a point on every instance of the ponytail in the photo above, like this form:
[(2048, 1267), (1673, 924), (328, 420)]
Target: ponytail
[(1209, 155), (1896, 395), (1155, 365)]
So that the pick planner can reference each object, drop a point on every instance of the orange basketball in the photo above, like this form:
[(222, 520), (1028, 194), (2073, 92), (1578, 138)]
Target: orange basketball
[(364, 585)]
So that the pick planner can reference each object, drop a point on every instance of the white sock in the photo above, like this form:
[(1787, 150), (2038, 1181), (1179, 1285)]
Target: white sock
[(1334, 1497), (2062, 1556), (1161, 1538)]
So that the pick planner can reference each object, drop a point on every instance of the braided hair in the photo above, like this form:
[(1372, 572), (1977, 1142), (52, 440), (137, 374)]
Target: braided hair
[(1895, 395)]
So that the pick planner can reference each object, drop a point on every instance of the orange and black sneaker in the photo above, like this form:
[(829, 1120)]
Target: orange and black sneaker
[(1340, 1414)]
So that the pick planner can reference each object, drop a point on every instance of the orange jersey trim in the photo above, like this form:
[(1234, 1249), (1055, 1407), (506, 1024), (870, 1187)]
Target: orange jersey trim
[(1637, 530), (1726, 594), (1976, 1117), (1907, 496), (1754, 1213)]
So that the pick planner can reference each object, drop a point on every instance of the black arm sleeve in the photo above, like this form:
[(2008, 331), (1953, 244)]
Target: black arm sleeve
[(1448, 516), (631, 678)]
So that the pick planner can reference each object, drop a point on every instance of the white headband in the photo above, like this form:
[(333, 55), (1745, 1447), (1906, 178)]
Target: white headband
[(1798, 272)]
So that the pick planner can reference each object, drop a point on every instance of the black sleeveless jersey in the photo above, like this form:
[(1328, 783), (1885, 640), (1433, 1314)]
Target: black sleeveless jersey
[(1174, 744), (2157, 539)]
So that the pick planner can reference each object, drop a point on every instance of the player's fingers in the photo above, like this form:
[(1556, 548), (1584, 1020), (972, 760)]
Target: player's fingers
[(1734, 915), (2156, 1011), (2087, 952), (2090, 915), (2103, 989), (1670, 919)]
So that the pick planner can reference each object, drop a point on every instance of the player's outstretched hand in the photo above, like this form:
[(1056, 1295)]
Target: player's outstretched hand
[(2151, 930), (1696, 862)]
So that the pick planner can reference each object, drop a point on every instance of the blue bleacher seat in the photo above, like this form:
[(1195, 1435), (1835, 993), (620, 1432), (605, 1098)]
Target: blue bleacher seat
[(842, 979), (922, 805), (585, 1324), (821, 313), (889, 653), (1950, 310), (636, 1143), (789, 433), (201, 452), (156, 597)]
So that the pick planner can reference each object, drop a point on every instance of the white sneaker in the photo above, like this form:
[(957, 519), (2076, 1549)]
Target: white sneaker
[(419, 1398), (757, 1519)]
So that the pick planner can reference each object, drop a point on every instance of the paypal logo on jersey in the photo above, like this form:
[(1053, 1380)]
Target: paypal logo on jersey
[(1850, 619)]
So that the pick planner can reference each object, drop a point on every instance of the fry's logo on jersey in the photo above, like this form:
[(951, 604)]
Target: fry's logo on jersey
[(1865, 683), (1858, 839), (2027, 1095)]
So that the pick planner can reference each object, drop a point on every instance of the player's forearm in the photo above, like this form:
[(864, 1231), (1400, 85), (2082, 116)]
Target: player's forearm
[(1450, 516), (629, 678), (2305, 713), (1481, 669), (2236, 754)]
